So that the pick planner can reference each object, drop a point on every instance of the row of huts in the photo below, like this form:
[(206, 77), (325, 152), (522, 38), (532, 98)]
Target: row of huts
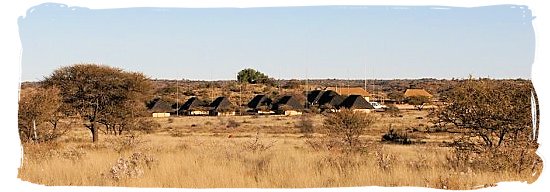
[(327, 100)]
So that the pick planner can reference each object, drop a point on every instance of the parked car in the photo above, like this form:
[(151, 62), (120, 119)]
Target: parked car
[(378, 107)]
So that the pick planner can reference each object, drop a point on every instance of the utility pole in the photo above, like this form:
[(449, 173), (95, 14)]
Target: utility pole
[(307, 89), (365, 76), (240, 98), (177, 98)]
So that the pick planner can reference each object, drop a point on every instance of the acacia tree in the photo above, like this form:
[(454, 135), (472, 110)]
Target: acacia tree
[(488, 109), (39, 114), (99, 94), (495, 119)]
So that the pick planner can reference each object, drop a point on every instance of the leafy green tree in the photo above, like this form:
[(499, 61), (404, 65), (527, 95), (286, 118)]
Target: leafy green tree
[(100, 94), (252, 76)]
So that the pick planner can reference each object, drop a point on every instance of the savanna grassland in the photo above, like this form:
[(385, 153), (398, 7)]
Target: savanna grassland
[(258, 151)]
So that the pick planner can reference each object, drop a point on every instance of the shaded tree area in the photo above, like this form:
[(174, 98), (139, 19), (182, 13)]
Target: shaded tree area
[(101, 95), (495, 118), (39, 115)]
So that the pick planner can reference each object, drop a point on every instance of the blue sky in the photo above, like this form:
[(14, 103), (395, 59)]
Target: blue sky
[(347, 42)]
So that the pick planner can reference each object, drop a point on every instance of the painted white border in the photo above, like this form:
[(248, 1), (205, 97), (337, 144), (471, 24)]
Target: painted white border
[(10, 57)]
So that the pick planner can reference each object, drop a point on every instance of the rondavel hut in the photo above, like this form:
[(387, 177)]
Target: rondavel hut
[(288, 105), (313, 97), (260, 104), (221, 106), (356, 103), (160, 108), (329, 101), (194, 106)]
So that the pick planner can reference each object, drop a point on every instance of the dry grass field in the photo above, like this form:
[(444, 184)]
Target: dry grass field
[(252, 151)]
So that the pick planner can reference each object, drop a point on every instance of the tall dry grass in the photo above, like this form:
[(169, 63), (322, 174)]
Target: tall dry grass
[(263, 151), (262, 160)]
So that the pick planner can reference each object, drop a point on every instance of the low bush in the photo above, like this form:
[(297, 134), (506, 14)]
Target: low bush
[(305, 124), (146, 125), (393, 111), (231, 123), (396, 137), (133, 166)]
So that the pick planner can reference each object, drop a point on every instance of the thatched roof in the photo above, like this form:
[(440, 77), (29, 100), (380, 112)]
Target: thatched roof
[(194, 103), (221, 104), (161, 106), (287, 102), (355, 102), (350, 91), (314, 96), (258, 101), (327, 97), (417, 92)]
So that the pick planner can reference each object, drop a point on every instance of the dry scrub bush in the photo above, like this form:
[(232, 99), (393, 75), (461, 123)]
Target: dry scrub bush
[(45, 151), (396, 137), (393, 111), (256, 145), (515, 157), (132, 167), (305, 124), (146, 125), (231, 123), (496, 121), (126, 143), (345, 127)]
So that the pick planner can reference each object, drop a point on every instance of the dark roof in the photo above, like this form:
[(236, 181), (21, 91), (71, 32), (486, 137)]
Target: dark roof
[(161, 106), (314, 96), (334, 100), (221, 104), (287, 101), (355, 102), (327, 97), (258, 101), (194, 103)]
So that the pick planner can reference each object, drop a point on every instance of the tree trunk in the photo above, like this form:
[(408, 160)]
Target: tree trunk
[(95, 135), (120, 129), (501, 137)]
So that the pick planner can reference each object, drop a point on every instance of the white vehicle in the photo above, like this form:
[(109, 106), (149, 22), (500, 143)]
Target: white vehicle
[(378, 107)]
